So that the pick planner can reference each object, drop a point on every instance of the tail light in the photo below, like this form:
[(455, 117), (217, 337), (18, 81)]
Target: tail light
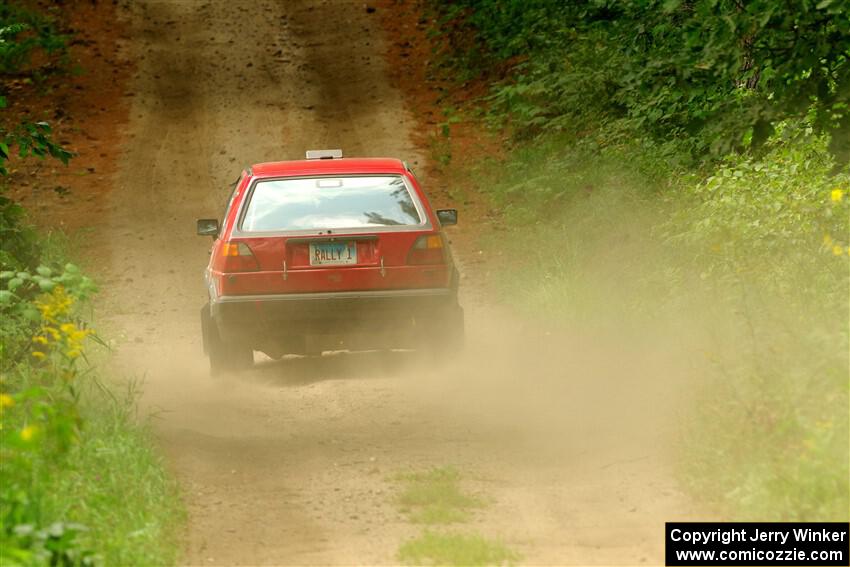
[(428, 249), (236, 257)]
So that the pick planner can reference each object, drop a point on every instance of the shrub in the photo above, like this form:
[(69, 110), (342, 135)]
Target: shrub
[(40, 413), (716, 75)]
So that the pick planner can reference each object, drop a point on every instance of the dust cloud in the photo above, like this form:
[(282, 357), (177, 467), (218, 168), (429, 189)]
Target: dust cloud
[(564, 432)]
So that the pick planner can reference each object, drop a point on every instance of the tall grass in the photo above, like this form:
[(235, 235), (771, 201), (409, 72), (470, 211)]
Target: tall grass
[(116, 484)]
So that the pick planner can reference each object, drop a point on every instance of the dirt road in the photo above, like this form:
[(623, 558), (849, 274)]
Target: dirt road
[(292, 464)]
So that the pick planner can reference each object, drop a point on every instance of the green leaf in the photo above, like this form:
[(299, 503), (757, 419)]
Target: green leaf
[(30, 313), (46, 284)]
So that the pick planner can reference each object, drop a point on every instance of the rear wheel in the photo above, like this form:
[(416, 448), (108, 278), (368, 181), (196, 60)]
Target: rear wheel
[(224, 357)]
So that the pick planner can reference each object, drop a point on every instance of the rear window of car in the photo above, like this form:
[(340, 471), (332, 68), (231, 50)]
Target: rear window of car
[(330, 202)]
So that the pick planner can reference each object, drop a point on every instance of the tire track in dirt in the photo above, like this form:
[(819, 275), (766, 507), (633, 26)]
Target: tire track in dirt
[(289, 464)]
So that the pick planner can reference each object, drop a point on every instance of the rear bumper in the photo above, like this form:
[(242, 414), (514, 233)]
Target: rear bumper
[(259, 317)]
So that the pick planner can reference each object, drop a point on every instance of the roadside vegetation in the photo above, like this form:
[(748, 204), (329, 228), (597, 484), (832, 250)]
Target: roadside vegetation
[(80, 483), (677, 173), (436, 499)]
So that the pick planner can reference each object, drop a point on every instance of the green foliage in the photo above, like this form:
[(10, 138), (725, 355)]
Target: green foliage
[(23, 32), (786, 207), (688, 160), (79, 482), (18, 242), (748, 260), (54, 545), (771, 241), (116, 484), (102, 497), (21, 295), (40, 416), (31, 139), (717, 75)]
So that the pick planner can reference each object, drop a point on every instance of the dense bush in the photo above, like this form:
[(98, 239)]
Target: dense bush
[(717, 75)]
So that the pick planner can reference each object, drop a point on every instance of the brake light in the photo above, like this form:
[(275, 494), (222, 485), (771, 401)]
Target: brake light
[(428, 249), (236, 257)]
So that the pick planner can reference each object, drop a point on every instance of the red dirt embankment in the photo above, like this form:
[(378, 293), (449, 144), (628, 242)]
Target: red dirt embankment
[(87, 106)]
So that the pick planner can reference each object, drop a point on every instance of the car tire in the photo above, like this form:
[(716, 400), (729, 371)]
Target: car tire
[(223, 357)]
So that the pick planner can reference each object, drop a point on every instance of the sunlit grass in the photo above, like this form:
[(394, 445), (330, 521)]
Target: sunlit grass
[(434, 548), (118, 486), (436, 497)]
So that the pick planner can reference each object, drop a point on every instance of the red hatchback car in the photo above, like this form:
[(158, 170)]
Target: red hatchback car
[(328, 250)]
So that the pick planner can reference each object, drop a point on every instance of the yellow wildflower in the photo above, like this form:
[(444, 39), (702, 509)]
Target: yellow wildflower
[(827, 240), (78, 336), (55, 304), (837, 195), (38, 354), (838, 250), (40, 340), (28, 432), (6, 401)]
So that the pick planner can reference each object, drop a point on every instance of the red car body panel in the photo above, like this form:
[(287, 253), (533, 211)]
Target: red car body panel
[(282, 261), (267, 294)]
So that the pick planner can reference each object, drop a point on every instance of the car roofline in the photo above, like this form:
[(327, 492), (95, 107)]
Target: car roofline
[(354, 166)]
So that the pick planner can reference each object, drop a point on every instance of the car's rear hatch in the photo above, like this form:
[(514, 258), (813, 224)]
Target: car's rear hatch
[(291, 238)]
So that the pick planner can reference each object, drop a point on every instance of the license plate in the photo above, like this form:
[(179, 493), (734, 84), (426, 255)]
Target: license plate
[(333, 253)]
